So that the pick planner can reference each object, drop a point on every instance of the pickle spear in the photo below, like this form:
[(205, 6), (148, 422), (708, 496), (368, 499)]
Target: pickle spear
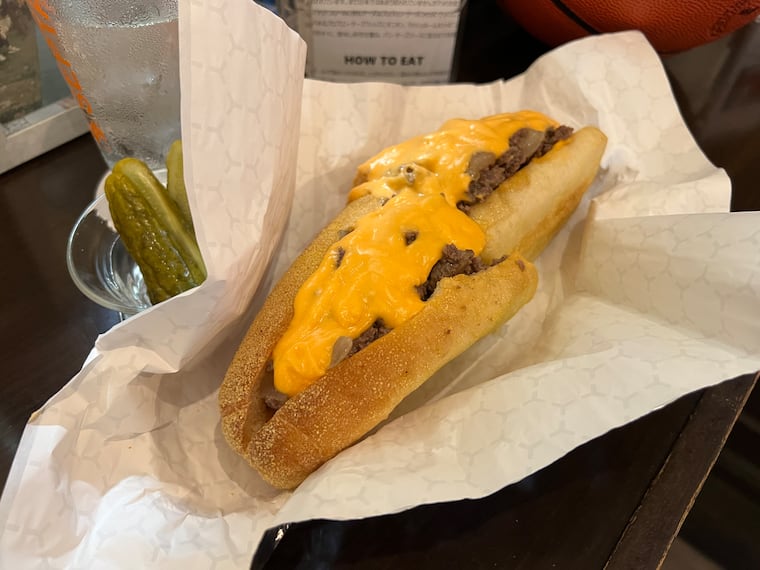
[(152, 229), (175, 182)]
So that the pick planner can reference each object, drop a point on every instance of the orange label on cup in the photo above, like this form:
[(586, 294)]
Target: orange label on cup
[(41, 12)]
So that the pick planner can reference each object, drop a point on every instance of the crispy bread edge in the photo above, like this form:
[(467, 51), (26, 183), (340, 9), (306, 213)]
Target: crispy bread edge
[(241, 408), (360, 392), (528, 209)]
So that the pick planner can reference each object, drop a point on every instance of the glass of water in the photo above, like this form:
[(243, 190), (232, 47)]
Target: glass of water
[(120, 59)]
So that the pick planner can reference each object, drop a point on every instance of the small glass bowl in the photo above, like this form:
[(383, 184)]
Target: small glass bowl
[(99, 264)]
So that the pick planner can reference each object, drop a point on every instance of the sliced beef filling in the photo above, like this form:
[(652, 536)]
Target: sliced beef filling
[(524, 145), (552, 137), (271, 396), (339, 253), (374, 332), (454, 261)]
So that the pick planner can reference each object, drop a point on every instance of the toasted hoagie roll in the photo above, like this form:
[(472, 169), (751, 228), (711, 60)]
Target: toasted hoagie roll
[(431, 253)]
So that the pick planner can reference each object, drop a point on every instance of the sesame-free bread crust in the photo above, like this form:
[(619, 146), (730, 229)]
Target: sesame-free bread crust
[(527, 210), (242, 409), (360, 392)]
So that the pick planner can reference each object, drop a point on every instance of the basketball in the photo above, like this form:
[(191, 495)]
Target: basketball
[(670, 25)]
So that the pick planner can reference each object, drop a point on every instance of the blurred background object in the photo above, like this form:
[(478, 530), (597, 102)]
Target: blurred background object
[(721, 103), (670, 25), (37, 112), (409, 42), (20, 90)]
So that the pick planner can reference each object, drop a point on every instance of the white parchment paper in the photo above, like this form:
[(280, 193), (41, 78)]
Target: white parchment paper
[(650, 292)]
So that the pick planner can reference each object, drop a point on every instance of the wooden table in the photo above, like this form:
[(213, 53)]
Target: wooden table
[(617, 501)]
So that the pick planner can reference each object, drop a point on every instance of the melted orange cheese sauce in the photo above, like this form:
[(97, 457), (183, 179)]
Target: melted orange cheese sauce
[(372, 272)]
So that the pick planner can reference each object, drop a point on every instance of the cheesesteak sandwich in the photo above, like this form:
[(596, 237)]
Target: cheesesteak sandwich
[(432, 252)]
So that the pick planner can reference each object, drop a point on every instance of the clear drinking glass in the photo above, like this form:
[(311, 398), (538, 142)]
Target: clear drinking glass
[(120, 59), (100, 266)]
